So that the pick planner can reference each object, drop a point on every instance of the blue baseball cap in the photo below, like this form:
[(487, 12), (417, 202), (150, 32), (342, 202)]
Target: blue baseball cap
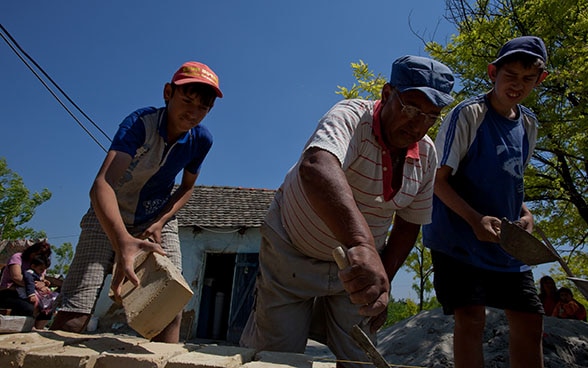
[(530, 45), (429, 76)]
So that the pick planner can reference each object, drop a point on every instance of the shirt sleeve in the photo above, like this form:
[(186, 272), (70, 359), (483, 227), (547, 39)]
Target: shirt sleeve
[(16, 259), (456, 134), (336, 128), (29, 281), (204, 141), (131, 132)]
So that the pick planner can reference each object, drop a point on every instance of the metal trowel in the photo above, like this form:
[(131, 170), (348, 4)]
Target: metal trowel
[(360, 338)]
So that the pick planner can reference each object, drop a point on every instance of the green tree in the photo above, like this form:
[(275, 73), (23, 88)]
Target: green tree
[(399, 310), (63, 254), (368, 84), (419, 263), (17, 205)]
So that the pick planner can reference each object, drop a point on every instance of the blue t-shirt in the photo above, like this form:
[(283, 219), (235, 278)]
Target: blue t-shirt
[(146, 186), (487, 153)]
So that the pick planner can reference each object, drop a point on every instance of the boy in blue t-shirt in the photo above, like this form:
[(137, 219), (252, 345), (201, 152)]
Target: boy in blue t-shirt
[(132, 204), (484, 144)]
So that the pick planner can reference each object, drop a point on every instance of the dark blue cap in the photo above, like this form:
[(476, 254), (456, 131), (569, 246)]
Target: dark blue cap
[(530, 45), (431, 77)]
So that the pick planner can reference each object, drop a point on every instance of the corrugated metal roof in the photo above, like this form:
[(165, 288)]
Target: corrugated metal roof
[(214, 206)]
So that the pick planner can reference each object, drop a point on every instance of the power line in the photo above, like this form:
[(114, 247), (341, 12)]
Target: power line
[(14, 46)]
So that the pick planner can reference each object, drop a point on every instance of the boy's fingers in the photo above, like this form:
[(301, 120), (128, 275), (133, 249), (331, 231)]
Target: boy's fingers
[(118, 278), (151, 246), (130, 274)]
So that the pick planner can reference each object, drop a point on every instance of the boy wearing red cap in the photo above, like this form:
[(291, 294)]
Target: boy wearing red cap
[(132, 204), (484, 145)]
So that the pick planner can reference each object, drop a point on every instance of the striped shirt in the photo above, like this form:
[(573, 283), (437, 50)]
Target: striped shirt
[(351, 132)]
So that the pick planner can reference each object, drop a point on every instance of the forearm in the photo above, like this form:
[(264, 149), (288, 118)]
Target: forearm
[(326, 187), (485, 227), (178, 199), (400, 243), (105, 206), (526, 219), (16, 275), (525, 212), (456, 203)]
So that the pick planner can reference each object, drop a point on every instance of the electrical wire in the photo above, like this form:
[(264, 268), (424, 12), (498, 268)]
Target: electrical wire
[(14, 46)]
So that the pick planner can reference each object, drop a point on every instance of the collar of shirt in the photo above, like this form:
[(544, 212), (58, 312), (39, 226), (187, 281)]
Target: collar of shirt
[(387, 169), (163, 128)]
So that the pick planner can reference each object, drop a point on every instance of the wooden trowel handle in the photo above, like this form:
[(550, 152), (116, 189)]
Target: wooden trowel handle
[(340, 257)]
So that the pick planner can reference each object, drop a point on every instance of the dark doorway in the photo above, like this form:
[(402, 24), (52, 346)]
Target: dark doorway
[(227, 295), (246, 267), (216, 295)]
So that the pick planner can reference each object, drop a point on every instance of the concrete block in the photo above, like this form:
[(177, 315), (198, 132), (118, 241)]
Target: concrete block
[(81, 352), (324, 364), (14, 347), (10, 324), (147, 355), (266, 359), (163, 294), (213, 357), (62, 357)]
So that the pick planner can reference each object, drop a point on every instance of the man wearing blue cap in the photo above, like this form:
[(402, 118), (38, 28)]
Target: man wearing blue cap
[(367, 164), (484, 145)]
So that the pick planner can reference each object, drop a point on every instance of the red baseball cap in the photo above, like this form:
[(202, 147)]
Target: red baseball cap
[(194, 72)]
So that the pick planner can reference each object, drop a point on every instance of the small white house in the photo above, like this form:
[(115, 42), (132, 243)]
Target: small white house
[(220, 239)]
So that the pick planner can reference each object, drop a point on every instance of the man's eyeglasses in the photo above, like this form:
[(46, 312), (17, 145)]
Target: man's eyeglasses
[(412, 111)]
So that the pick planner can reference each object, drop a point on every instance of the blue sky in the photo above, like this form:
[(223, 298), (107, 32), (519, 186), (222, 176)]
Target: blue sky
[(279, 65)]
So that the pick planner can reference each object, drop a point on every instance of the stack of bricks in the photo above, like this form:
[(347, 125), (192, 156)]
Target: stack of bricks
[(56, 349), (148, 309)]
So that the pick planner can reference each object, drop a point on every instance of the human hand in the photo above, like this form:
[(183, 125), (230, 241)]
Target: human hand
[(488, 229), (153, 232), (365, 280), (33, 299), (125, 260), (526, 222)]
